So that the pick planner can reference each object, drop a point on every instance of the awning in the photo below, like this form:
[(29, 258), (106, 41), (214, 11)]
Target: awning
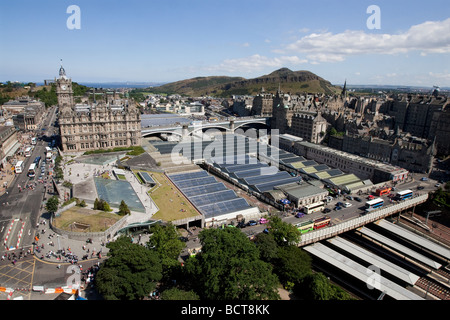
[(13, 150)]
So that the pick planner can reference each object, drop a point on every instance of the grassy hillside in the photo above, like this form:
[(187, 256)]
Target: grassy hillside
[(193, 87), (287, 80)]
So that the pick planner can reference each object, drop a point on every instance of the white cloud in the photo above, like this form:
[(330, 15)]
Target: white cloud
[(256, 62), (427, 37)]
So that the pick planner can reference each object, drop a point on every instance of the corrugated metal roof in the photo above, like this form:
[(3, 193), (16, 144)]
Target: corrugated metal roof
[(361, 272), (391, 243), (376, 260), (423, 242)]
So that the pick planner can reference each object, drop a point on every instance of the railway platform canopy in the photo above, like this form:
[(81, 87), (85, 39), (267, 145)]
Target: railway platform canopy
[(401, 248), (375, 260), (421, 241), (361, 272)]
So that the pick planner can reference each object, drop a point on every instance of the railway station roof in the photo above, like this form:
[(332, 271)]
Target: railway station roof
[(421, 241), (360, 272), (401, 248), (374, 259)]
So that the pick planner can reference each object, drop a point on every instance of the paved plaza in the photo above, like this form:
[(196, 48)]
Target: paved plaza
[(82, 174)]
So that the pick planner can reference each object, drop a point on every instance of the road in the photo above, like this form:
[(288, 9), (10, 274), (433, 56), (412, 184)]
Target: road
[(21, 212), (355, 210)]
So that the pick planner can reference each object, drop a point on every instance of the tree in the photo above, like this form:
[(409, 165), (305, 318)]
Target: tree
[(83, 204), (229, 268), (178, 294), (130, 272), (100, 204), (267, 246), (123, 209), (165, 241), (105, 206), (318, 287), (52, 204), (96, 203), (292, 264), (284, 233)]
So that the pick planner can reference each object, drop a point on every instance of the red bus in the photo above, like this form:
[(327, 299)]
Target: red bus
[(321, 222), (381, 192)]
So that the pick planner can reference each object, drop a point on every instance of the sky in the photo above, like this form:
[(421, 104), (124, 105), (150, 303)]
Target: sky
[(403, 43)]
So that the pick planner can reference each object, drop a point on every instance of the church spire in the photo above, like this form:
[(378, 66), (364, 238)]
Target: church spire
[(344, 90)]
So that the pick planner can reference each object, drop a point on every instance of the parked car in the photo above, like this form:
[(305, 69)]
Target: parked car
[(370, 197), (347, 204), (424, 179), (337, 208), (241, 224), (326, 210), (339, 204), (357, 199), (299, 214), (252, 223), (349, 197), (263, 220), (420, 187)]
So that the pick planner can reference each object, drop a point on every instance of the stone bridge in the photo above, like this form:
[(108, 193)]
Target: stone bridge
[(355, 223), (185, 130)]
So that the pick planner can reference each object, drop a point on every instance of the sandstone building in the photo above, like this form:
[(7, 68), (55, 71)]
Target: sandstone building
[(100, 125)]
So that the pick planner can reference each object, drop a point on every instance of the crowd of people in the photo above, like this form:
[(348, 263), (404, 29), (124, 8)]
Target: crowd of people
[(13, 257)]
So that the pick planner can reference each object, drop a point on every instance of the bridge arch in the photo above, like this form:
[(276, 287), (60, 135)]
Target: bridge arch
[(147, 134), (260, 123), (204, 128)]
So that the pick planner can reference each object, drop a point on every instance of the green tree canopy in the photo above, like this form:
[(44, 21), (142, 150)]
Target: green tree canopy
[(229, 268), (52, 204), (130, 272), (179, 294), (292, 264), (165, 241), (318, 287), (123, 208), (267, 246), (283, 233)]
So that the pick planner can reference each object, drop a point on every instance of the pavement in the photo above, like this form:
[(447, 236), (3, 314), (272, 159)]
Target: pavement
[(81, 174), (77, 172)]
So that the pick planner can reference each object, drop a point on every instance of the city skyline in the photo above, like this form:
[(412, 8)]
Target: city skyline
[(165, 41)]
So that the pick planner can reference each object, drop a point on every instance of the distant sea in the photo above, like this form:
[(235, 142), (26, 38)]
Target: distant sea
[(113, 85)]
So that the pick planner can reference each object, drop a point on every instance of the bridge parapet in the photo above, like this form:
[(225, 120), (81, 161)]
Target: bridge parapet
[(184, 129), (332, 231)]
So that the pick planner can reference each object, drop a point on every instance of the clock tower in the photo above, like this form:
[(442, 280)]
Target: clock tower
[(64, 90)]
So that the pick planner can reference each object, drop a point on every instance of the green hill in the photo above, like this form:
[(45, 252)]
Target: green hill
[(221, 86), (198, 86)]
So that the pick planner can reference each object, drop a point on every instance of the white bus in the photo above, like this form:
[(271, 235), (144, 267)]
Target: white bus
[(374, 204), (28, 151), (18, 168), (32, 170), (405, 194), (313, 207)]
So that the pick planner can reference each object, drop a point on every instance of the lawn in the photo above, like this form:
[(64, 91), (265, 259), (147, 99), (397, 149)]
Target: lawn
[(85, 220), (171, 202)]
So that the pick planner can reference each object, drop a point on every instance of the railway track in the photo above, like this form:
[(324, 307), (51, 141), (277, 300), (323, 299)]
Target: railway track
[(433, 288)]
